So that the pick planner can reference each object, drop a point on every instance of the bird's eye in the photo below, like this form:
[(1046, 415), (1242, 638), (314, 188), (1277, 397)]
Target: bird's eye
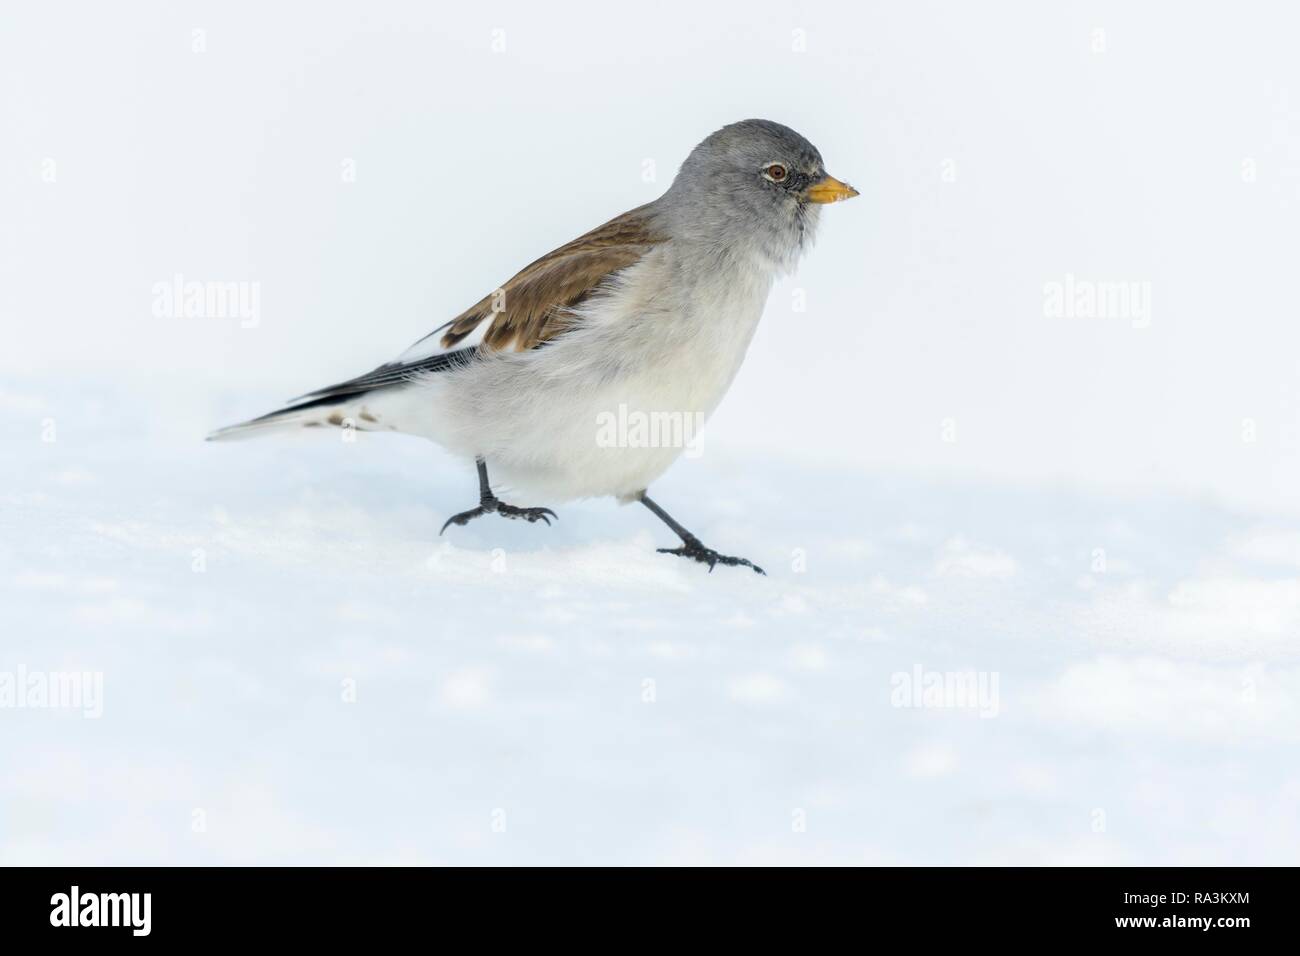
[(776, 172)]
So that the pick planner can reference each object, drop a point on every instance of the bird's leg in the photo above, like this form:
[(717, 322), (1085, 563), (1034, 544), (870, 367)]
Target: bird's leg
[(489, 503), (692, 547)]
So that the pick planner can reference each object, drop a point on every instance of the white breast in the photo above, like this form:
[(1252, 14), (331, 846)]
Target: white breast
[(607, 407)]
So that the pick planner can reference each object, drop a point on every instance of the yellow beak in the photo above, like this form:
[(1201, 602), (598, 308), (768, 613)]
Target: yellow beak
[(829, 189)]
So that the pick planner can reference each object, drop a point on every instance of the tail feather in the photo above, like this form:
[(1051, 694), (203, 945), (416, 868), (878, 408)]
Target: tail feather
[(313, 414), (346, 402)]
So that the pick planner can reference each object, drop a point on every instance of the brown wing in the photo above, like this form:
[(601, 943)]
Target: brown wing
[(527, 311), (534, 305)]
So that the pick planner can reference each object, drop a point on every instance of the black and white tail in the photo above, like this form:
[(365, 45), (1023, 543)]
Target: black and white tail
[(371, 402)]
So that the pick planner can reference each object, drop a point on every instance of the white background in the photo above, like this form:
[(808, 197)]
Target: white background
[(924, 298), (1112, 156)]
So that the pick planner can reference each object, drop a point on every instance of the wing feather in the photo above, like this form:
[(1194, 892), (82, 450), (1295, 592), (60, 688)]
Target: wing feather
[(532, 308), (535, 304)]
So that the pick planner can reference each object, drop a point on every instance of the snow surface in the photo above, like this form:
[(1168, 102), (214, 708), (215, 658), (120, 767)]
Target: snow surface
[(531, 695)]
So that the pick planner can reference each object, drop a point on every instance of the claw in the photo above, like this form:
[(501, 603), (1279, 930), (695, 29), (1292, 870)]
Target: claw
[(506, 511), (697, 551), (465, 517), (528, 514)]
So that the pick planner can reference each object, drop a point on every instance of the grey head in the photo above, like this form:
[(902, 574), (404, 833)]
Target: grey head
[(752, 188)]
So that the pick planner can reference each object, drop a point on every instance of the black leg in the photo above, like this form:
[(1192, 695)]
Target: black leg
[(488, 503), (692, 547), (484, 489)]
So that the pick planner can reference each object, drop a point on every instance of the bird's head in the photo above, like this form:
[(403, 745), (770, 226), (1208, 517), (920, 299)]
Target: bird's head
[(760, 181)]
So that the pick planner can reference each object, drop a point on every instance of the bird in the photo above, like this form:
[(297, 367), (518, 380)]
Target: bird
[(646, 318)]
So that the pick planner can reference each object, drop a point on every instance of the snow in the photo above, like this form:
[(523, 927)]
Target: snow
[(297, 669)]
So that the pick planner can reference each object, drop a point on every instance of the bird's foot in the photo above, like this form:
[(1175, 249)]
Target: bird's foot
[(492, 505), (694, 548), (465, 517), (528, 514)]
